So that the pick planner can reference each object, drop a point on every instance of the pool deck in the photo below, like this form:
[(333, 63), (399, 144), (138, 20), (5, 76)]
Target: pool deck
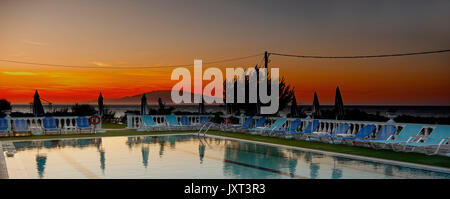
[(3, 170)]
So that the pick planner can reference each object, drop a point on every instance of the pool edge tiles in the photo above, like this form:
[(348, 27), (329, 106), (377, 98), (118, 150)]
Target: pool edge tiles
[(3, 169), (357, 157)]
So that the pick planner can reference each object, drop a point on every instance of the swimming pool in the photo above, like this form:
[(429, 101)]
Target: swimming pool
[(189, 157)]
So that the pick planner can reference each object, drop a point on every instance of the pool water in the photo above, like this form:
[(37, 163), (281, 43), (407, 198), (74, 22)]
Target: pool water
[(188, 157)]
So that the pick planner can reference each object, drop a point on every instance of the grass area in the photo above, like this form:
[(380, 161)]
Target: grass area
[(418, 158), (113, 126)]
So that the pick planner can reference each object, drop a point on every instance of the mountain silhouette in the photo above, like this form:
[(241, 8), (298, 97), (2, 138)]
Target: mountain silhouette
[(152, 98)]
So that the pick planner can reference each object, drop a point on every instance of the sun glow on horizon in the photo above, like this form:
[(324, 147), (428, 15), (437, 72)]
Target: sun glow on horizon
[(130, 34)]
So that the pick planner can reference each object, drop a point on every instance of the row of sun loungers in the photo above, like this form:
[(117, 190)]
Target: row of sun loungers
[(49, 126), (409, 138), (171, 123)]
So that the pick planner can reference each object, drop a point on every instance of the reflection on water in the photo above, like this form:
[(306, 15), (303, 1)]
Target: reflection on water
[(336, 173), (187, 156), (145, 153), (201, 152), (102, 160), (51, 144), (314, 167), (40, 161)]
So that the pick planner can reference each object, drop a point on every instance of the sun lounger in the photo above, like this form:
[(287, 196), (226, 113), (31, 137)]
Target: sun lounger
[(20, 127), (149, 124), (310, 127), (172, 122), (185, 123), (259, 123), (83, 124), (431, 145), (293, 126), (340, 129), (205, 124), (49, 124), (275, 126), (409, 132), (204, 120), (364, 132), (385, 133), (4, 127), (245, 125)]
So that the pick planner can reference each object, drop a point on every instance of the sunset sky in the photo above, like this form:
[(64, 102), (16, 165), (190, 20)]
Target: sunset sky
[(136, 33)]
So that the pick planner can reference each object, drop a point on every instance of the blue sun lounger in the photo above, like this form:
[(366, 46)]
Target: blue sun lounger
[(340, 129), (364, 132), (83, 124), (310, 127), (20, 126), (204, 120), (204, 124), (4, 126), (406, 134), (385, 133), (259, 123), (292, 127), (438, 137), (275, 126), (184, 121), (49, 124), (172, 121), (149, 124), (245, 125)]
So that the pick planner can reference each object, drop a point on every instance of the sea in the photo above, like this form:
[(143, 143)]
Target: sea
[(119, 110)]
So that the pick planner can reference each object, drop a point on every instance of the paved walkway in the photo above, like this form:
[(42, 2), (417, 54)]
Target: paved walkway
[(3, 171)]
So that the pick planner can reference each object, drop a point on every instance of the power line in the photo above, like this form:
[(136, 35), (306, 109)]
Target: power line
[(228, 60), (125, 67), (363, 56)]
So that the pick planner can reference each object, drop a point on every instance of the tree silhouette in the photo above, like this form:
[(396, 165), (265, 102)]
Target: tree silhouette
[(83, 110), (4, 106), (286, 92)]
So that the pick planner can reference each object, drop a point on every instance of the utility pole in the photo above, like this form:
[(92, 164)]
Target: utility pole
[(266, 59)]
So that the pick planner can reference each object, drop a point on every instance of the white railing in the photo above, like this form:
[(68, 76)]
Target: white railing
[(329, 125), (35, 124)]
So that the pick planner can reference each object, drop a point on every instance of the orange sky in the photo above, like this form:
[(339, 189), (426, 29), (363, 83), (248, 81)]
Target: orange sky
[(137, 33)]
